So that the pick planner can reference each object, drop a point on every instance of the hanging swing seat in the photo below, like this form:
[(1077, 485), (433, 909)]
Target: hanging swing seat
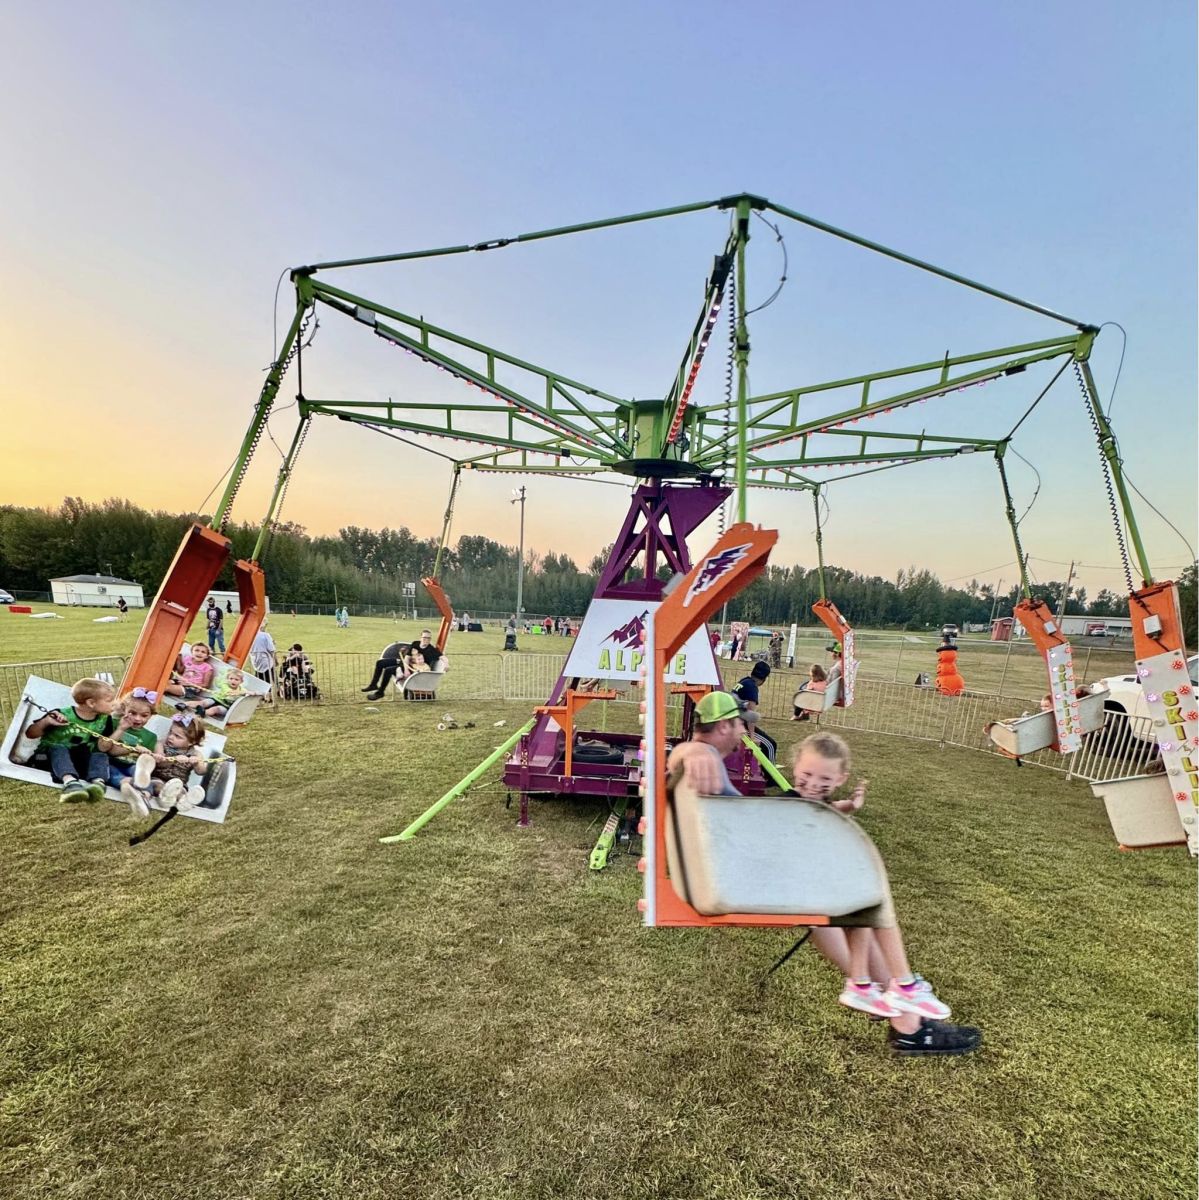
[(20, 760), (1143, 811), (729, 854), (423, 685), (817, 702), (1038, 731), (244, 707)]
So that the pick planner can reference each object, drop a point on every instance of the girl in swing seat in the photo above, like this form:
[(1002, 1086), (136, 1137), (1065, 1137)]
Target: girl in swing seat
[(160, 779), (917, 1016), (817, 682)]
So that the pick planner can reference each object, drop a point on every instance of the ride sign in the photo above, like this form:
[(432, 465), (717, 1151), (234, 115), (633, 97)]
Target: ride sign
[(609, 646)]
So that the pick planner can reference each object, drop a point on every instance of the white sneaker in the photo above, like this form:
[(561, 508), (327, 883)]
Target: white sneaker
[(190, 798), (171, 791), (917, 998), (135, 800), (142, 771), (868, 999)]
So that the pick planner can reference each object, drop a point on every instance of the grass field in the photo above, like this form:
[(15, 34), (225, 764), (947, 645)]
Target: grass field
[(283, 1007)]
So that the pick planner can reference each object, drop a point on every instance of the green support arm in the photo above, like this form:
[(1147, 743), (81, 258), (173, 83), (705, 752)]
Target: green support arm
[(406, 835), (535, 236), (879, 248), (416, 338), (741, 353), (262, 410), (1110, 451), (1011, 361)]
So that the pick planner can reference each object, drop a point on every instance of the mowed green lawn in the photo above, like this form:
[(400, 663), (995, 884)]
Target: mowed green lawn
[(283, 1007)]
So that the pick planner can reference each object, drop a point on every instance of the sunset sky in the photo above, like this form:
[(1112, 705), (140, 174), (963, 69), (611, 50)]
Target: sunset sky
[(165, 163)]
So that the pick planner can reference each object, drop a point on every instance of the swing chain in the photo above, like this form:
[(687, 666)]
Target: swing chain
[(819, 543), (1107, 478), (731, 294), (278, 369), (286, 483), (1021, 557)]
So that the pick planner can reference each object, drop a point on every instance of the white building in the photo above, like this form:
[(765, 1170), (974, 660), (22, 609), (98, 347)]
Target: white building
[(225, 599), (96, 591), (1078, 626)]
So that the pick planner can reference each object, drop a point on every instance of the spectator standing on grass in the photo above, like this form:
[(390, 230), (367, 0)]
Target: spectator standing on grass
[(122, 607), (216, 623), (262, 657)]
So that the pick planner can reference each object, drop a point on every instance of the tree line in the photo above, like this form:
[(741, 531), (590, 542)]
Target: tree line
[(366, 566)]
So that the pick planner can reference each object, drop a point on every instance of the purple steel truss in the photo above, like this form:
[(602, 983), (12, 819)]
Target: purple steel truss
[(661, 516)]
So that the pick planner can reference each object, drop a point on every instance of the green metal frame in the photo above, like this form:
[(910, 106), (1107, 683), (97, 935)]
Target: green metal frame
[(552, 423)]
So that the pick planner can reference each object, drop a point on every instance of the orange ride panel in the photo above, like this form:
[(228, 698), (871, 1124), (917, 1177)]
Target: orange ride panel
[(734, 562), (839, 627), (437, 592), (251, 600), (1159, 600), (197, 563)]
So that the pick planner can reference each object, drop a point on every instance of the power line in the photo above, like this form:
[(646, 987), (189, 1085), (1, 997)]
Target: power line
[(976, 574)]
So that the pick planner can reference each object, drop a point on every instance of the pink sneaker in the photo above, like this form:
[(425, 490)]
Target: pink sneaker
[(917, 997), (869, 998)]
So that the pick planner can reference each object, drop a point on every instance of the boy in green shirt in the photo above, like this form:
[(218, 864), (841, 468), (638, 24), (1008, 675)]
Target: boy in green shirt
[(70, 737)]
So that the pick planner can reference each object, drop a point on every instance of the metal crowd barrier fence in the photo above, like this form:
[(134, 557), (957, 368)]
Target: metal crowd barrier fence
[(998, 668), (61, 670), (1123, 747)]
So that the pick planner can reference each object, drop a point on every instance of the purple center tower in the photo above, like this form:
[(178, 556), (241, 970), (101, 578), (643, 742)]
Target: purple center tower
[(607, 651)]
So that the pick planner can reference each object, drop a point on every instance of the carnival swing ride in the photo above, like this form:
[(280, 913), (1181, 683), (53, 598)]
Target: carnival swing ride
[(684, 459)]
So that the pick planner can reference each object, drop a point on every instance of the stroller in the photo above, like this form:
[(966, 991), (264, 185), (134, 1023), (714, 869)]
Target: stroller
[(296, 681)]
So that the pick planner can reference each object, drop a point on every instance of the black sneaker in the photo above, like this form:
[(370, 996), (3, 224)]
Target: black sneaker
[(936, 1037)]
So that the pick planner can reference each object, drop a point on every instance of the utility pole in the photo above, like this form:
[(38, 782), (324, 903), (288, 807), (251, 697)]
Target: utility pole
[(518, 497), (1061, 608), (995, 601)]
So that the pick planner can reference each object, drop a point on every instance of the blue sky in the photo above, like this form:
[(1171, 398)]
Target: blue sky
[(166, 163)]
